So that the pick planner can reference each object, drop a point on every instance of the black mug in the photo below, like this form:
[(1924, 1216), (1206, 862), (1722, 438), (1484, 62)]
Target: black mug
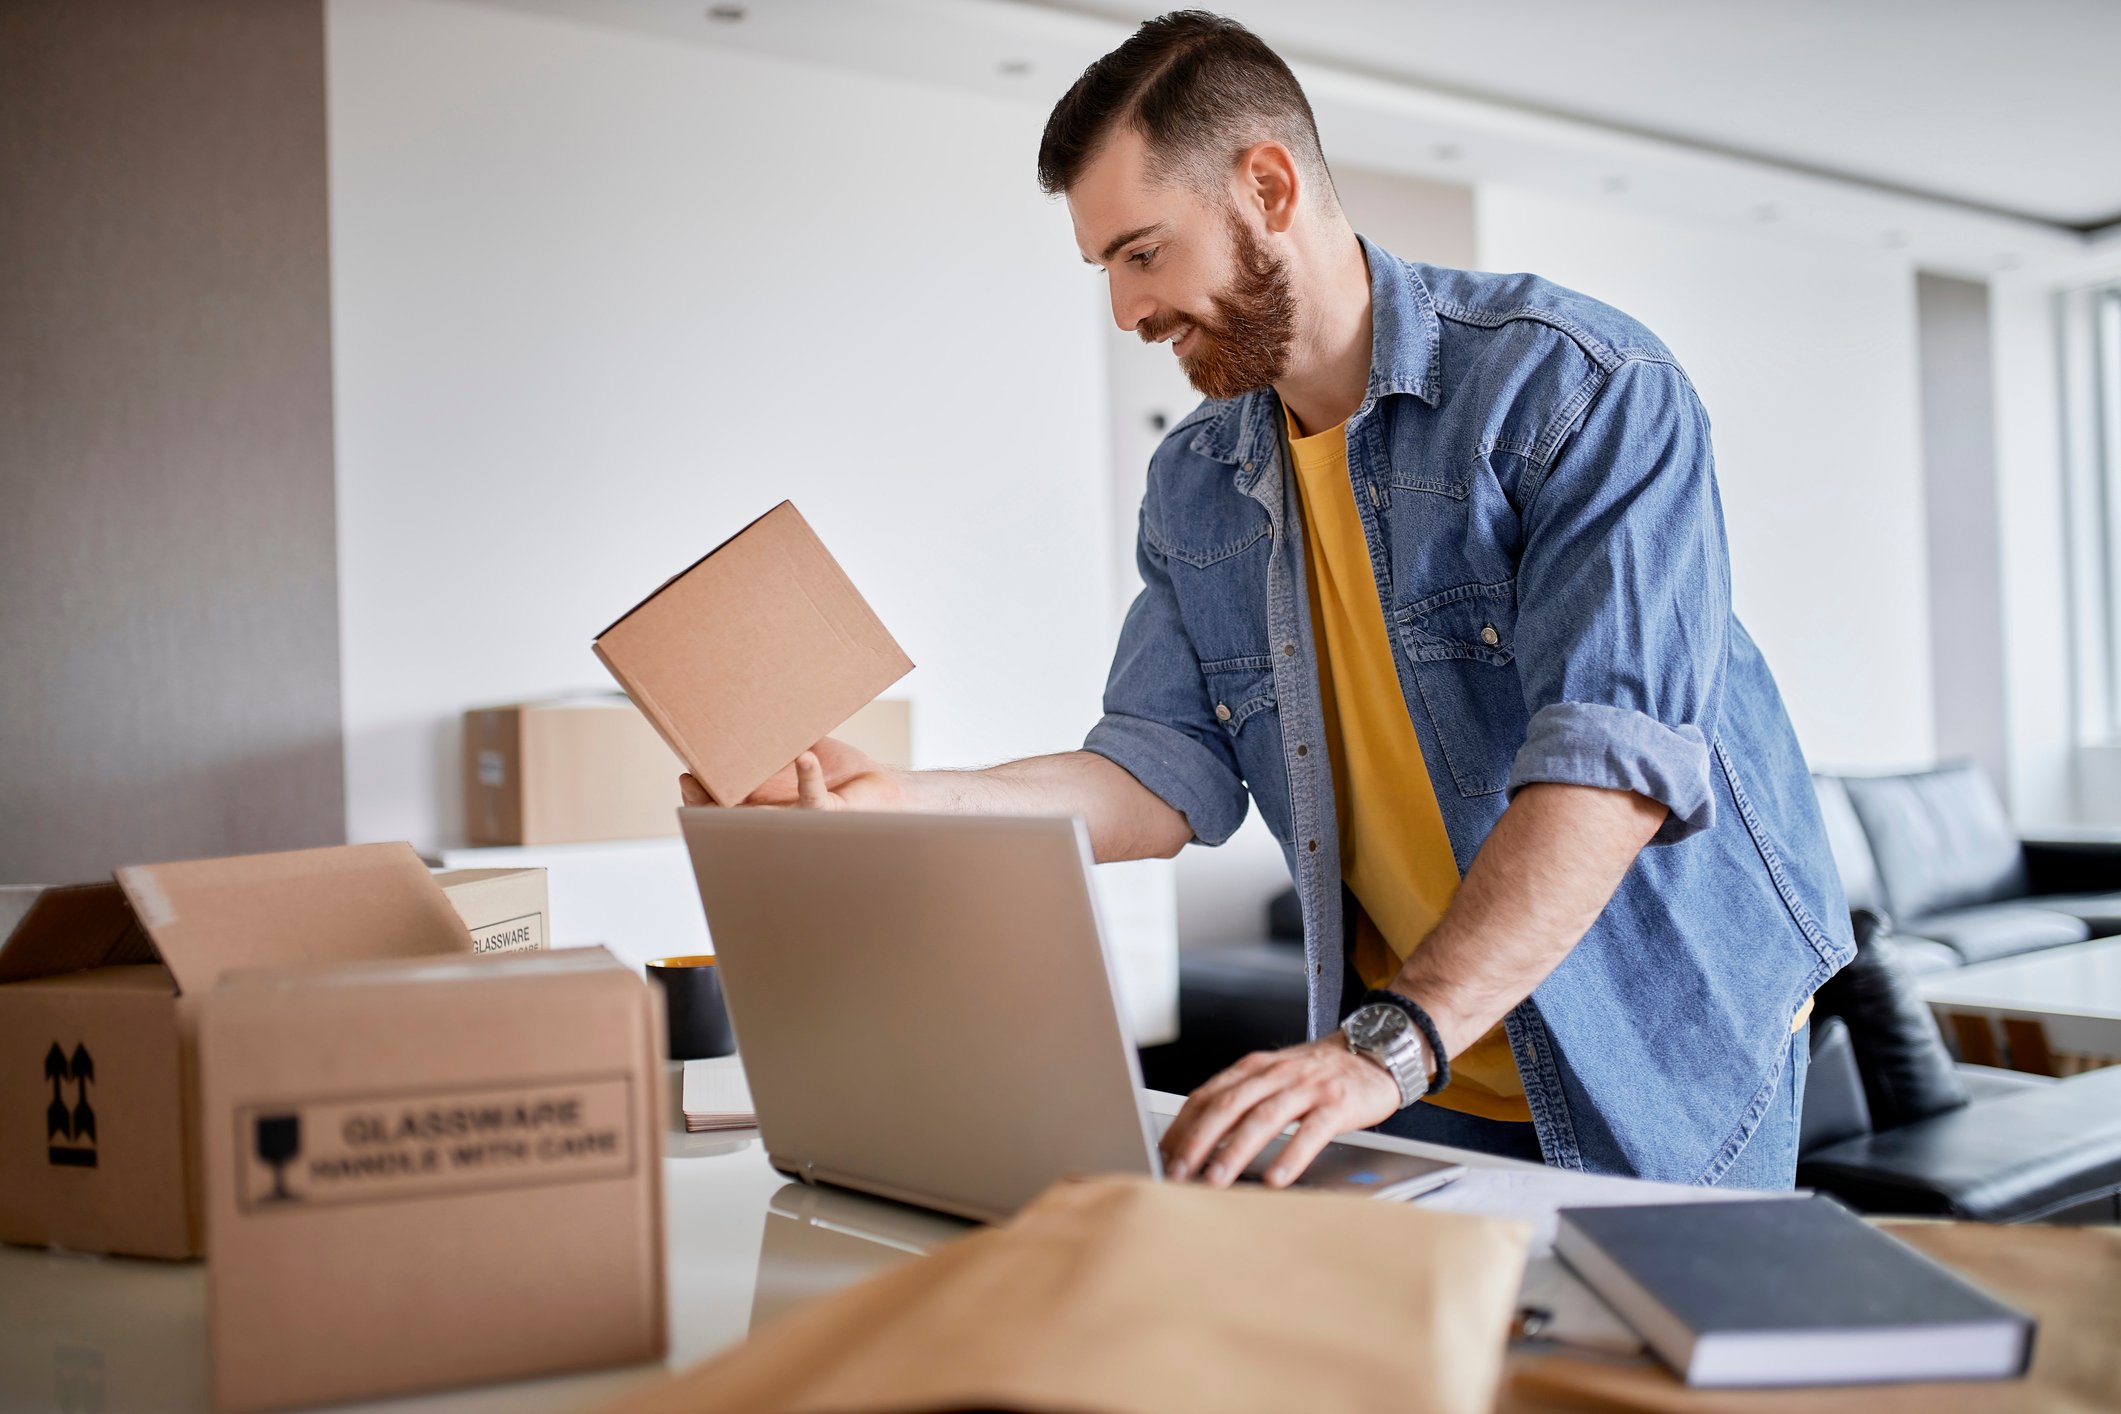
[(693, 1005)]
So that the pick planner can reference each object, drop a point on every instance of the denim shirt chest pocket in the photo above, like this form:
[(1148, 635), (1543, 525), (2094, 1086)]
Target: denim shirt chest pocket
[(1461, 645), (1217, 546), (1242, 691)]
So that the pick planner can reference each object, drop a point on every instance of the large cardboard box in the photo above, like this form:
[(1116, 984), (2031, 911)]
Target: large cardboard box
[(430, 1173), (752, 654), (507, 910), (99, 988), (566, 772)]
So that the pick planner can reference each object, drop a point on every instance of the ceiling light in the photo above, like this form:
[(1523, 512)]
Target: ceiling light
[(1896, 240), (1447, 152), (1014, 68), (726, 14), (2009, 260), (1767, 211), (1616, 185)]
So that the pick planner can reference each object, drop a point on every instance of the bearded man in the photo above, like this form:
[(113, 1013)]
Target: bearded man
[(1436, 576)]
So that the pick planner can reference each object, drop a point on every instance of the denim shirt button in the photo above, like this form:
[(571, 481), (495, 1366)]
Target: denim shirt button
[(1302, 749), (1311, 845), (1288, 650), (1222, 711), (1489, 636), (1373, 493)]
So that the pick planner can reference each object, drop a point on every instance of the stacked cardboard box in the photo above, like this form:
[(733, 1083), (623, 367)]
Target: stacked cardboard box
[(505, 909)]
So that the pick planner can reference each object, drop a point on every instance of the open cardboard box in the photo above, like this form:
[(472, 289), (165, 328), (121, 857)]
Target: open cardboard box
[(99, 993), (753, 654)]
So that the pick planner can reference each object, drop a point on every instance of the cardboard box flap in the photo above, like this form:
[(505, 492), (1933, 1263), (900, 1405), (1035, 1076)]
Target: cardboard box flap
[(69, 930), (346, 903)]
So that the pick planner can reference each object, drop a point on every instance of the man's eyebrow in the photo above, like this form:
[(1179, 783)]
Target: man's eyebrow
[(1112, 246)]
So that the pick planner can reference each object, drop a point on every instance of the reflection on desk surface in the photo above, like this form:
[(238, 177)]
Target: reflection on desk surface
[(818, 1240)]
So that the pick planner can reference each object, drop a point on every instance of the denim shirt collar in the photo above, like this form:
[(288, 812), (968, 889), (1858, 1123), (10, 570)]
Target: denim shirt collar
[(1404, 358)]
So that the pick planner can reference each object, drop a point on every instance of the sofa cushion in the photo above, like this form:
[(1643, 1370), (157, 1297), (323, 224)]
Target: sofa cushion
[(1923, 956), (1940, 838), (1850, 847), (2100, 912), (1907, 1073), (1992, 930)]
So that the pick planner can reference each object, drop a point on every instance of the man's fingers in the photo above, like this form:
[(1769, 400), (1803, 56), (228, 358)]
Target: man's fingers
[(693, 792), (1208, 1116), (1259, 1128), (1319, 1128), (810, 790)]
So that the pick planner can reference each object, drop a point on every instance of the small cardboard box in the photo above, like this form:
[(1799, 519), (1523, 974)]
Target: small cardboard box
[(566, 771), (430, 1173), (752, 654), (99, 988), (505, 909)]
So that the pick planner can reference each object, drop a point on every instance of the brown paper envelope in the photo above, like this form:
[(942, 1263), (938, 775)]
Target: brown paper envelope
[(1124, 1296)]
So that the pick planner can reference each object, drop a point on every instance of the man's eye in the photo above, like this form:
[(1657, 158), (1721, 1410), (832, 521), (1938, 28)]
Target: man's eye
[(1144, 257)]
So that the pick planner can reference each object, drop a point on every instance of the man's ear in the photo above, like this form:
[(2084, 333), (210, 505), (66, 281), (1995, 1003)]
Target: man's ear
[(1268, 183)]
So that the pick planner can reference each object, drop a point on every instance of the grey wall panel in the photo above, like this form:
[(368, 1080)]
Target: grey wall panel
[(169, 681), (1964, 522)]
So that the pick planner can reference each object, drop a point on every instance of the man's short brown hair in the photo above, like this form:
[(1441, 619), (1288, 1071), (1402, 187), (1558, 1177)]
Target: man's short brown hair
[(1199, 89)]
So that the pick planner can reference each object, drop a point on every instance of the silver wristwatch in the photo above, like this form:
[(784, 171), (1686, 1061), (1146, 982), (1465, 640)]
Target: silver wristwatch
[(1386, 1035)]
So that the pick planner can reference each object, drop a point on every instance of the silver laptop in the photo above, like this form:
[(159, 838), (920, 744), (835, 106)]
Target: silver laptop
[(925, 1007)]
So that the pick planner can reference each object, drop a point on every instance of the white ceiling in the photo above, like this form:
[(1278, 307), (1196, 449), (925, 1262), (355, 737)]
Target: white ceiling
[(2015, 107), (1902, 125)]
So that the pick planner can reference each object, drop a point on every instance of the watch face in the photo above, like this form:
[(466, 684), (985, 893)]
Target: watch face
[(1376, 1024)]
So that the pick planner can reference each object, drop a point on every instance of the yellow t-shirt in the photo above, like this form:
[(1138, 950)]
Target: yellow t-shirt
[(1394, 855)]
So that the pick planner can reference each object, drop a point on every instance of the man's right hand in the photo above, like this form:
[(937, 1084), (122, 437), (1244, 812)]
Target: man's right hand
[(829, 776)]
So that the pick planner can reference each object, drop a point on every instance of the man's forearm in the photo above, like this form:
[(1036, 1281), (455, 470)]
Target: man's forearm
[(1545, 873), (1127, 820)]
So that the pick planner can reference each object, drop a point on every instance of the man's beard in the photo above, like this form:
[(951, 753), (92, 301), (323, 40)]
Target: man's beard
[(1246, 345)]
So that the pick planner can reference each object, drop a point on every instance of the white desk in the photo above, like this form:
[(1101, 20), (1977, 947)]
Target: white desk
[(2074, 992), (89, 1333)]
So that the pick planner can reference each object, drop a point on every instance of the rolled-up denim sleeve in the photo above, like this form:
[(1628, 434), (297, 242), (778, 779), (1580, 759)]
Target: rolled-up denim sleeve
[(1159, 725), (1624, 601)]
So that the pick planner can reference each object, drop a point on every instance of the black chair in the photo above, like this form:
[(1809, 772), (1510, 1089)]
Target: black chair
[(1891, 1125)]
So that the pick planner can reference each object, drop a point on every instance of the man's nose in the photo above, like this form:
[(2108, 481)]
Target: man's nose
[(1129, 311)]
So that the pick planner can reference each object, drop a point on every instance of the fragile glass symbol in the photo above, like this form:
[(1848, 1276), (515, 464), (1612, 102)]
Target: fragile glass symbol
[(279, 1139)]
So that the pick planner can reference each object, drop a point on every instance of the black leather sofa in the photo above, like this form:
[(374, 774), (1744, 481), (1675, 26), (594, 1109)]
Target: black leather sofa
[(1934, 851)]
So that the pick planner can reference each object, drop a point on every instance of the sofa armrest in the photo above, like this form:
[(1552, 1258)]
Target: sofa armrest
[(2014, 1158), (2072, 866)]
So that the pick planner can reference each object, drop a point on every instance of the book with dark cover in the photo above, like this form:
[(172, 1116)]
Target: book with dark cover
[(1788, 1291)]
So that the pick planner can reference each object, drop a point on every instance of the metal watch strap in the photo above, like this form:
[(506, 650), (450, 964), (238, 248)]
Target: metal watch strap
[(1423, 1024), (1401, 1059)]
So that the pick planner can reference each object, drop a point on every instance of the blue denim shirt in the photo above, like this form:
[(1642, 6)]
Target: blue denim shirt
[(1535, 483)]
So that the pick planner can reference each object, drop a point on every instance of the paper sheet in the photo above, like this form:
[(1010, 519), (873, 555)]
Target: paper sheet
[(717, 1096)]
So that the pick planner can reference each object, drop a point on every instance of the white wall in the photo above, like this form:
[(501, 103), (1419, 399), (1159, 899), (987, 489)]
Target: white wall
[(1805, 355), (601, 297)]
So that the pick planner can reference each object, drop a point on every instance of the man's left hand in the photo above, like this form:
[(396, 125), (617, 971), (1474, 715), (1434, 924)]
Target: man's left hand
[(1321, 1086)]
